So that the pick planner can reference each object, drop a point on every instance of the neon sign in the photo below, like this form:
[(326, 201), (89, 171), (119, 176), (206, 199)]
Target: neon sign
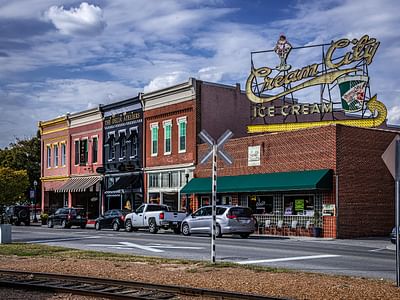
[(343, 69)]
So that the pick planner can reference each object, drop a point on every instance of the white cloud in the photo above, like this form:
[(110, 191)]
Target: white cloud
[(166, 80), (394, 115), (85, 20)]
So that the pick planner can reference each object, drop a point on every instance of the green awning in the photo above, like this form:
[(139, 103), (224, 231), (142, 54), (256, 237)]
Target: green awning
[(270, 182)]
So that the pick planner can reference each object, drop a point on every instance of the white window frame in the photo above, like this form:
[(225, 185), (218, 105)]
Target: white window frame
[(48, 149), (110, 147), (79, 152), (120, 145), (179, 122), (56, 156), (92, 149), (165, 125), (86, 138), (63, 154), (131, 130), (153, 125)]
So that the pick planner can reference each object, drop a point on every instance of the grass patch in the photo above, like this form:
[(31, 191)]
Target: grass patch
[(62, 253)]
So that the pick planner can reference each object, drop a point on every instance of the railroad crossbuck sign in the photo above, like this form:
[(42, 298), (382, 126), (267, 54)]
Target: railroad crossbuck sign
[(217, 148)]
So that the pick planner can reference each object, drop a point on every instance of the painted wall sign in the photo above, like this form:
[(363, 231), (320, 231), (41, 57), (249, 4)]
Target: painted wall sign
[(343, 68)]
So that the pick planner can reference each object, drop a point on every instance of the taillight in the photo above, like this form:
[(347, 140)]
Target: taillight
[(231, 217), (161, 216), (122, 218), (69, 217)]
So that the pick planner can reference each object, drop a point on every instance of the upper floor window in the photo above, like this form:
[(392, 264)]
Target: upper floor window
[(76, 152), (111, 146), (48, 156), (182, 134), (55, 149), (83, 159), (122, 144), (167, 136), (154, 139), (134, 140), (63, 154), (95, 149)]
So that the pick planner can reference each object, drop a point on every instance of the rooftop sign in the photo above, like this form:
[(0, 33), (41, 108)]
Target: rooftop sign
[(342, 79)]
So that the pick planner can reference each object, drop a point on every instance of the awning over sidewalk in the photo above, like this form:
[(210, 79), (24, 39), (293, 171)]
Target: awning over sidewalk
[(131, 183), (285, 181), (79, 184)]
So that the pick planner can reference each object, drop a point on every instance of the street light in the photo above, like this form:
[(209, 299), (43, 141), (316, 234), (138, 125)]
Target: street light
[(35, 183)]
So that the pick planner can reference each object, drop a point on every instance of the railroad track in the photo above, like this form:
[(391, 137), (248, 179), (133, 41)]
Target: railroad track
[(110, 288)]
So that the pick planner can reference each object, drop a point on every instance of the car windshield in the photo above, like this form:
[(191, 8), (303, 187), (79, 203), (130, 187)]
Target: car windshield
[(240, 212)]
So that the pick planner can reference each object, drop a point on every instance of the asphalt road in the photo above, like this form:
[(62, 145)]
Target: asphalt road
[(374, 257)]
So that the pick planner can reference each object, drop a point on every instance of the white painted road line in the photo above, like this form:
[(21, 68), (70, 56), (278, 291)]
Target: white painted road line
[(148, 248), (63, 240), (286, 259)]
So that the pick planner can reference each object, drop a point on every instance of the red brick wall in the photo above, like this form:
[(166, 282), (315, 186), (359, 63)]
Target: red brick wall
[(171, 112), (307, 149), (366, 188)]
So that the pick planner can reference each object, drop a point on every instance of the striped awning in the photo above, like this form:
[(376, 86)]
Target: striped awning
[(78, 184)]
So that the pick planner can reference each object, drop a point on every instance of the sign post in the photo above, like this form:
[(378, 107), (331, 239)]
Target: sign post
[(391, 157), (216, 148)]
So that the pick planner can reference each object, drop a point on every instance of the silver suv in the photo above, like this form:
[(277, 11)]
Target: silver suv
[(230, 219)]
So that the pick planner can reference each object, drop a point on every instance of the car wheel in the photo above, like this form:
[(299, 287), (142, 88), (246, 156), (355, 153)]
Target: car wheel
[(115, 226), (153, 226), (64, 224), (50, 224), (185, 229), (244, 235), (218, 232), (97, 226), (128, 225)]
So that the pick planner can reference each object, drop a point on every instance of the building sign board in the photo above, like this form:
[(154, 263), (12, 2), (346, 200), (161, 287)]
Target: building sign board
[(254, 155), (342, 76)]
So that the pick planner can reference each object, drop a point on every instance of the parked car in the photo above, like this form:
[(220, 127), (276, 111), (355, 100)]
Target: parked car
[(230, 219), (154, 217), (393, 235), (18, 214), (67, 217), (114, 218)]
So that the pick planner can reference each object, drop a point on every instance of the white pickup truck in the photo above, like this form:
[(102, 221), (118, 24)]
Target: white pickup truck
[(154, 217)]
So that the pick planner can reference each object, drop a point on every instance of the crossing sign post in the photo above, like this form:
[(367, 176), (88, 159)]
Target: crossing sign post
[(216, 148)]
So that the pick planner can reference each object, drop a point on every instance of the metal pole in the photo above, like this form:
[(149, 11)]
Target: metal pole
[(397, 191), (214, 201)]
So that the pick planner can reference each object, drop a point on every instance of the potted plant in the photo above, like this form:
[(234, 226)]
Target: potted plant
[(43, 218), (317, 230)]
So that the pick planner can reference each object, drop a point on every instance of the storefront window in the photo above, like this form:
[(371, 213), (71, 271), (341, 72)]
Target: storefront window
[(261, 204), (204, 201), (301, 205)]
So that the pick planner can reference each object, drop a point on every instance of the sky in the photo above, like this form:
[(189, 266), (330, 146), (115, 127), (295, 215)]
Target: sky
[(67, 56)]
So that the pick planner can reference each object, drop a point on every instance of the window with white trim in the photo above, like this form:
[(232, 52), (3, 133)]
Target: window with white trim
[(55, 149), (49, 156), (182, 134), (95, 149), (154, 139), (167, 136), (77, 152), (134, 140), (63, 154)]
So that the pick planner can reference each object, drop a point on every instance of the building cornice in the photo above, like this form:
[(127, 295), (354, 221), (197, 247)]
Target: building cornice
[(54, 178)]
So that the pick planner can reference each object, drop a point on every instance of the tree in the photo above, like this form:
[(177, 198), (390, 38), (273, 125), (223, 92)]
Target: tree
[(23, 155), (13, 185)]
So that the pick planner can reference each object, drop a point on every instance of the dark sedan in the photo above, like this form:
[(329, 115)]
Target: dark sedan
[(114, 218)]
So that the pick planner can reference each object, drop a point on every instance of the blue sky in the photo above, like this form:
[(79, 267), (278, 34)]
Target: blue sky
[(65, 56)]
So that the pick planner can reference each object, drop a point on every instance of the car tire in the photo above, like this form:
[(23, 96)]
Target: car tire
[(218, 232), (185, 229), (128, 225), (115, 226), (244, 235), (153, 226), (64, 224), (97, 226), (50, 224)]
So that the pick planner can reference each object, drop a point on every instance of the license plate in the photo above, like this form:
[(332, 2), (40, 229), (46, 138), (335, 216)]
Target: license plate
[(175, 223), (78, 217)]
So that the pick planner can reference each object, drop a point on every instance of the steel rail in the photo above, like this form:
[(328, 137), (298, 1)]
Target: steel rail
[(111, 288)]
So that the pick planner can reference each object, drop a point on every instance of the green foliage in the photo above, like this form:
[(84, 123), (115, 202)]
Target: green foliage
[(23, 155), (13, 185)]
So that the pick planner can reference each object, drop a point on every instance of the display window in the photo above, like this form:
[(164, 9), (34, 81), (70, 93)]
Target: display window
[(298, 205)]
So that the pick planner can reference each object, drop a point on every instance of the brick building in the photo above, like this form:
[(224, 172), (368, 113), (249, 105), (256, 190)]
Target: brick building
[(82, 189), (55, 153), (174, 117), (332, 177)]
